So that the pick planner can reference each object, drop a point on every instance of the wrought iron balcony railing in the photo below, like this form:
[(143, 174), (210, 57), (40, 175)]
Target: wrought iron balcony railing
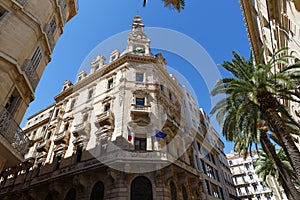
[(11, 131), (21, 2), (30, 72)]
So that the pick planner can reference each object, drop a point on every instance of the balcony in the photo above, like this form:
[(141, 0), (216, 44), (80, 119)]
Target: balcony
[(43, 146), (30, 72), (83, 128), (13, 134), (105, 118), (62, 137)]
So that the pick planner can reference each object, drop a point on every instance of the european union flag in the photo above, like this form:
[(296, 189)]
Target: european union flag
[(160, 134)]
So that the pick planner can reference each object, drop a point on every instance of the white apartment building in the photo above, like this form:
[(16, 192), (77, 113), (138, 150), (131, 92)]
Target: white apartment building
[(248, 185)]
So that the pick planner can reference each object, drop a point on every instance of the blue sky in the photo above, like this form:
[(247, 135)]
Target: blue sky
[(216, 25)]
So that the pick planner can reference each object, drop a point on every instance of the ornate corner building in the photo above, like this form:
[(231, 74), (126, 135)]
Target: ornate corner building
[(273, 25), (29, 30), (247, 182), (125, 130)]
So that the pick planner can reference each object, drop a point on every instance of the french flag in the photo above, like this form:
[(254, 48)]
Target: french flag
[(129, 136)]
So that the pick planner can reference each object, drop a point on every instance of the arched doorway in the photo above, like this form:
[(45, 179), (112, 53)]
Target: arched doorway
[(141, 188), (71, 195), (98, 191), (173, 191)]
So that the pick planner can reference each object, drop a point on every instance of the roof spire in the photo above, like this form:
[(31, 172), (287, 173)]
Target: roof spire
[(137, 24)]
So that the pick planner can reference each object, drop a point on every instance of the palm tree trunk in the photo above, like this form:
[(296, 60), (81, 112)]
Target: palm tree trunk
[(284, 179), (267, 104)]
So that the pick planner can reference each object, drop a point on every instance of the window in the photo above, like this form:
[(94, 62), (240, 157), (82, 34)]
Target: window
[(184, 193), (66, 126), (78, 154), (161, 88), (251, 176), (230, 162), (247, 190), (139, 77), (13, 102), (140, 101), (57, 161), (141, 188), (90, 95), (173, 191), (36, 58), (247, 166), (51, 27), (37, 170), (106, 107), (170, 96), (140, 143), (71, 195), (98, 191), (255, 187), (85, 117), (207, 187), (72, 103), (3, 12), (110, 84), (56, 112)]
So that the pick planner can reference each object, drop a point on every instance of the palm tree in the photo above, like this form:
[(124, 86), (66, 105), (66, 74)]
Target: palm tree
[(178, 5), (254, 93), (265, 166)]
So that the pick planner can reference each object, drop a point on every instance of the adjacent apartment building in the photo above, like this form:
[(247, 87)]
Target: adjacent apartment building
[(273, 25), (124, 130), (248, 185), (29, 30)]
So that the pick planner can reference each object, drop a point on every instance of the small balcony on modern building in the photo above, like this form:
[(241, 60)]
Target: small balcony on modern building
[(82, 129), (13, 142), (43, 145), (30, 71), (62, 137), (105, 118)]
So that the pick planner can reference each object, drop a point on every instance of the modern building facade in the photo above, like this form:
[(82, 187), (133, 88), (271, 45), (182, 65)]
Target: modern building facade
[(273, 25), (248, 184), (125, 130), (29, 31)]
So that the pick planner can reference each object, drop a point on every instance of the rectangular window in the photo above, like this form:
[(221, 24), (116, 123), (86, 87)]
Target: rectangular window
[(207, 187), (13, 102), (106, 107), (72, 103), (3, 12), (57, 161), (110, 84), (52, 26), (78, 154), (90, 95), (140, 143), (36, 58), (161, 88), (140, 101), (139, 77)]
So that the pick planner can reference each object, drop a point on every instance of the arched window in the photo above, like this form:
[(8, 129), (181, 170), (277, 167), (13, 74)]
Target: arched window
[(71, 195), (141, 188), (49, 197), (98, 191), (184, 193), (173, 191)]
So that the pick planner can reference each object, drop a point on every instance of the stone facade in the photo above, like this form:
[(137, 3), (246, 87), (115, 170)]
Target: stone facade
[(247, 182), (273, 25), (29, 31), (125, 130)]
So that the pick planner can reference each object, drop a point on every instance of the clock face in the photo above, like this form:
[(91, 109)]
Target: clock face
[(139, 49)]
